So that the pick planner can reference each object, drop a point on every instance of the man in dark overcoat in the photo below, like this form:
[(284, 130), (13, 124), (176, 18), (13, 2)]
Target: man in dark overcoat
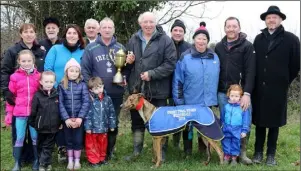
[(277, 65)]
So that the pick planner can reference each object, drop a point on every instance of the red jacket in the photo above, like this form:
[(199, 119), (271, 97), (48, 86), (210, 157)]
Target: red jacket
[(23, 86)]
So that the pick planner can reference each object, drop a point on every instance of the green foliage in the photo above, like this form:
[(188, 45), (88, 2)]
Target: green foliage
[(124, 13)]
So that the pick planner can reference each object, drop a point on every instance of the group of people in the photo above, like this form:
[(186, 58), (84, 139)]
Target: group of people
[(61, 91)]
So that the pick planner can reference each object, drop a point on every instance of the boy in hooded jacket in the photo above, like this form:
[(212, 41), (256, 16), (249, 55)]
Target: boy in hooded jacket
[(100, 118)]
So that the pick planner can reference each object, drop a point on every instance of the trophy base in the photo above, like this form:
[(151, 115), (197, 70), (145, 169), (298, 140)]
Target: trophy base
[(117, 79)]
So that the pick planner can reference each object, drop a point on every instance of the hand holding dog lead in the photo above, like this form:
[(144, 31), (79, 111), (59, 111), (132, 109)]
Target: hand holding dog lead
[(145, 76)]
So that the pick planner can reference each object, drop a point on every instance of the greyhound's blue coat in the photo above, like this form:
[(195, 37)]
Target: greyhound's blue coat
[(171, 119)]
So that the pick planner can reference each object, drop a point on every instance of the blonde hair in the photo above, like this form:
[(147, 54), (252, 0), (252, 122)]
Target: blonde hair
[(23, 52), (235, 87), (94, 82), (65, 79), (47, 73)]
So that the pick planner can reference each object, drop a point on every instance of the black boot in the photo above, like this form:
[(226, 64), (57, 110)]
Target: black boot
[(35, 164), (138, 139), (17, 156), (271, 160), (176, 140), (187, 147), (112, 136), (258, 157)]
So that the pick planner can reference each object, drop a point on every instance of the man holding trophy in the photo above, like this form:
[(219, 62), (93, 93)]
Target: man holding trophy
[(104, 58)]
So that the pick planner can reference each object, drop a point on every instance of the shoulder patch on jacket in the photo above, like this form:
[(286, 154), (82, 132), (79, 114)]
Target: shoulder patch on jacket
[(94, 46)]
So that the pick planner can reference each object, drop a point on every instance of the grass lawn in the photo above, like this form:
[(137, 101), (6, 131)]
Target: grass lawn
[(288, 151)]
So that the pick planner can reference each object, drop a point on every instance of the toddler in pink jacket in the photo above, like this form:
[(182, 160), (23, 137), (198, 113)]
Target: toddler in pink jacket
[(23, 84)]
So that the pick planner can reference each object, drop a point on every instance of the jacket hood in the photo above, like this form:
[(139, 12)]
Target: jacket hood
[(19, 70), (53, 92), (234, 104), (99, 40), (207, 54)]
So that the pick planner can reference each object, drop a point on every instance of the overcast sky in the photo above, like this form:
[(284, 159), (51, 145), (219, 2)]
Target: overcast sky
[(248, 12)]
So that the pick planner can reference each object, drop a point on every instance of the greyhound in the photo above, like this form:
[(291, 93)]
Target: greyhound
[(146, 110)]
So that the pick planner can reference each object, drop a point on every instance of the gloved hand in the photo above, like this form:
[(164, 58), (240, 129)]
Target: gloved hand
[(9, 97)]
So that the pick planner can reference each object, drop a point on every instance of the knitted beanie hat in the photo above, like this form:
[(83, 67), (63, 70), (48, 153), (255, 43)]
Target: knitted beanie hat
[(202, 29), (72, 62), (178, 23)]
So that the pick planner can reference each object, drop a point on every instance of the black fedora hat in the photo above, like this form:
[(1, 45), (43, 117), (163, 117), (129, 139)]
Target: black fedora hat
[(273, 10), (51, 20)]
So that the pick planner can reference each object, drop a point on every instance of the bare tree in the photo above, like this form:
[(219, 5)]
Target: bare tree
[(11, 17), (176, 9)]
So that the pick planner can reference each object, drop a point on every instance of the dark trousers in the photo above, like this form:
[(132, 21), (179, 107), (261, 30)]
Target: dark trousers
[(27, 150), (45, 145), (137, 121), (260, 133), (60, 138), (112, 135), (74, 137)]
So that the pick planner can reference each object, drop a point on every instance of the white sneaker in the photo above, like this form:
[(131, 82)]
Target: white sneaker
[(77, 166), (70, 166)]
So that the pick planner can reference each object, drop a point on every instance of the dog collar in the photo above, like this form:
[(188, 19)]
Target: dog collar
[(140, 103)]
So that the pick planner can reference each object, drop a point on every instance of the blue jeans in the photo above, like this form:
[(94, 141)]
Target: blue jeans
[(21, 124)]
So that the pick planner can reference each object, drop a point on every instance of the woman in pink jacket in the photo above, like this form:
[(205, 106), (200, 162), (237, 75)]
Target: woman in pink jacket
[(23, 83)]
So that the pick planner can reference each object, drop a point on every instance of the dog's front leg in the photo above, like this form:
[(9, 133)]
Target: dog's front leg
[(154, 160), (157, 142)]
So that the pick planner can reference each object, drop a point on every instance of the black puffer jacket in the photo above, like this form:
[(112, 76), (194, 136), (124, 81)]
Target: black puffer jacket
[(48, 44), (158, 59), (9, 61), (74, 102), (237, 64), (45, 116)]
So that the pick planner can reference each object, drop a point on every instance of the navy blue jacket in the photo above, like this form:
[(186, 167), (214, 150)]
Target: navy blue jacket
[(101, 115), (74, 101), (98, 60), (181, 47)]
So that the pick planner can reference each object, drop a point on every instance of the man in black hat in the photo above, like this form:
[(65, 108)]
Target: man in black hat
[(51, 26), (277, 65), (178, 31)]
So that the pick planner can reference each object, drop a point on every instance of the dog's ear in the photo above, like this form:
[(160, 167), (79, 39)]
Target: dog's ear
[(141, 95)]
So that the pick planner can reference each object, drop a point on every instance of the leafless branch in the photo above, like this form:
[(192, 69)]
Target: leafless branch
[(174, 13)]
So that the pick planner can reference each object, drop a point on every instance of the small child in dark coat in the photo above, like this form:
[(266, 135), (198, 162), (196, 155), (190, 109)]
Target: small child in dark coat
[(45, 118), (100, 118)]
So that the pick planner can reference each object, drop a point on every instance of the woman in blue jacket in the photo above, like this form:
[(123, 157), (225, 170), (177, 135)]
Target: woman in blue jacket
[(196, 75), (72, 47)]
